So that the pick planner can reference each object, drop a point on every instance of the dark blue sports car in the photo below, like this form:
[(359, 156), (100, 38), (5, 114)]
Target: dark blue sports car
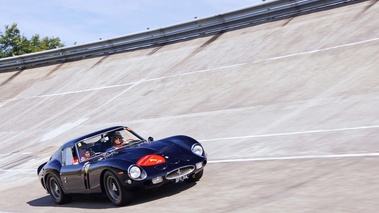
[(115, 161)]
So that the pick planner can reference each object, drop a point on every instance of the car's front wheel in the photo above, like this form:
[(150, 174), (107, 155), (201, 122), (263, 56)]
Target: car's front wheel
[(55, 190), (195, 177), (114, 190)]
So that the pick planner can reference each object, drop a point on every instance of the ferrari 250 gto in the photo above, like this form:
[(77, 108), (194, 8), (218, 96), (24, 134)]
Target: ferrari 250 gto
[(117, 161)]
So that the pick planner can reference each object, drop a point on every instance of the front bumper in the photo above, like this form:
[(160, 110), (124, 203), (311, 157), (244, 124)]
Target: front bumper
[(156, 178)]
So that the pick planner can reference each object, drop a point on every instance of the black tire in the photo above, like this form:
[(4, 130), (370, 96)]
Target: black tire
[(55, 190), (114, 190), (195, 177)]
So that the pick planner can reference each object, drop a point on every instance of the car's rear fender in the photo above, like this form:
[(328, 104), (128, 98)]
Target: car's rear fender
[(40, 168)]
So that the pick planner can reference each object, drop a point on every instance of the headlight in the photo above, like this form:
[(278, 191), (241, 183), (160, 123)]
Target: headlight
[(197, 149), (134, 172)]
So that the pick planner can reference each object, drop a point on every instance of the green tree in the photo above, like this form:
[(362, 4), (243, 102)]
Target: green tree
[(12, 43)]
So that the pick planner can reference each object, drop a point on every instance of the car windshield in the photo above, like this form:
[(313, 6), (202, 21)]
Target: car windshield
[(96, 145)]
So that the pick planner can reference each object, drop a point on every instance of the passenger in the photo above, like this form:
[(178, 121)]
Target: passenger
[(83, 152), (87, 156)]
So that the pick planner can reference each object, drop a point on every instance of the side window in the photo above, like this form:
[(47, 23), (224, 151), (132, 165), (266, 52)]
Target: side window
[(68, 156)]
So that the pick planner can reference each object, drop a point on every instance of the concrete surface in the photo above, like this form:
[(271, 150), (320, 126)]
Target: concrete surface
[(288, 113)]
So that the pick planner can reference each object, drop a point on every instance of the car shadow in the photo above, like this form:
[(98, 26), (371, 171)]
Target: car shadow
[(100, 201), (148, 195)]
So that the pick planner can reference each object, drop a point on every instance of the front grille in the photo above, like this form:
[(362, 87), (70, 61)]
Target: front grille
[(182, 171)]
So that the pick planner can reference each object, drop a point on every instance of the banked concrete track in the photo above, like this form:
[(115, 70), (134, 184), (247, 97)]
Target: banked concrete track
[(288, 112)]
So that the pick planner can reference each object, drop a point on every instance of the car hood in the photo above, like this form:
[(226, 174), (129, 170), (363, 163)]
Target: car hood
[(172, 152)]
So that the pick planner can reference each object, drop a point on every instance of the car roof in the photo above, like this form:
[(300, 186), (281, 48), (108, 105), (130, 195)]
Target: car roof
[(74, 141)]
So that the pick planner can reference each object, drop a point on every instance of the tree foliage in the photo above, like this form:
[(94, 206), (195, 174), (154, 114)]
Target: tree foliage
[(12, 43)]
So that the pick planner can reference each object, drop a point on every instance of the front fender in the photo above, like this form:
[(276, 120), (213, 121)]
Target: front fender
[(183, 141)]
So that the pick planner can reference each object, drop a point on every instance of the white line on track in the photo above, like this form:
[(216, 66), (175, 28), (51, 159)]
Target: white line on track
[(324, 49), (75, 92), (202, 71), (292, 133), (19, 170), (295, 158)]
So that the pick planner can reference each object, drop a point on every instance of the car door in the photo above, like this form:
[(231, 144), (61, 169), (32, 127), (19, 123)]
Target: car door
[(72, 172)]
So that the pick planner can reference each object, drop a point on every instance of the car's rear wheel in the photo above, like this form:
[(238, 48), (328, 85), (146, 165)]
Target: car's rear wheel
[(55, 190), (195, 177), (114, 190)]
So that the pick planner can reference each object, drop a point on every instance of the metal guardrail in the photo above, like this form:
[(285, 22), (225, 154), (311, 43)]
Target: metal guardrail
[(263, 13)]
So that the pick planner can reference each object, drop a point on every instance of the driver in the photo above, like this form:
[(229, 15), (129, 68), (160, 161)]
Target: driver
[(117, 141)]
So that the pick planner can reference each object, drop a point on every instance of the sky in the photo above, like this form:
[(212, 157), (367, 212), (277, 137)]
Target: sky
[(86, 21)]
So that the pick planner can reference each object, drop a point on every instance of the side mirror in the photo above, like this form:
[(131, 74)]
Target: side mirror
[(150, 139)]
